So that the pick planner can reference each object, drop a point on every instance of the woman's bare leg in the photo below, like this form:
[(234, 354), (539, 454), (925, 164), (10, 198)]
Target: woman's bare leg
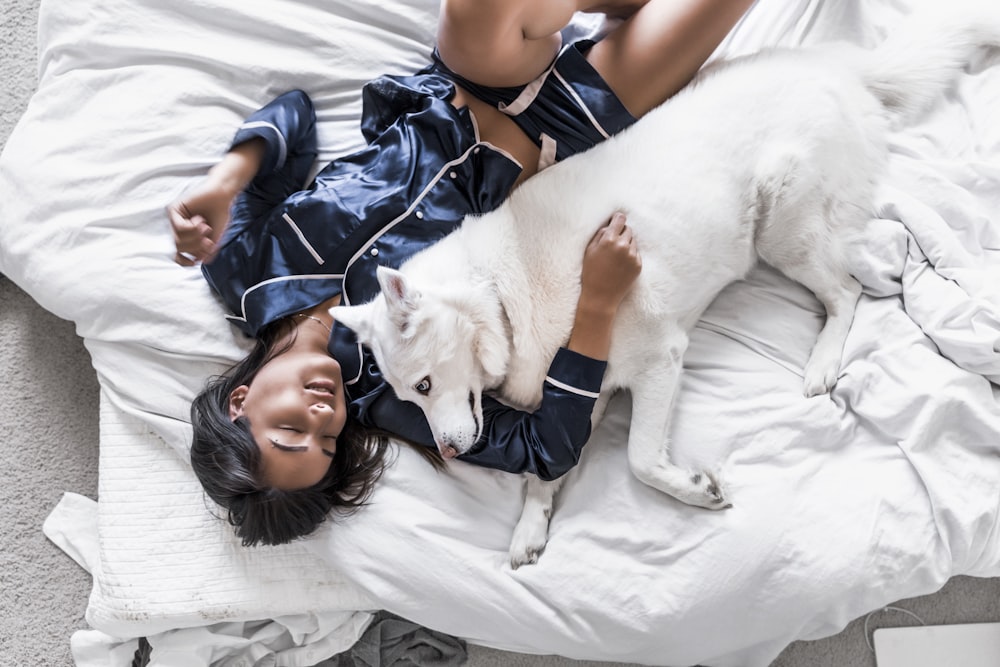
[(657, 51), (645, 60)]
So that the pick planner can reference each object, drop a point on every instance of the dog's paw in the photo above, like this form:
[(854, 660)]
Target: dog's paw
[(706, 491), (528, 541), (701, 489), (819, 384), (820, 378)]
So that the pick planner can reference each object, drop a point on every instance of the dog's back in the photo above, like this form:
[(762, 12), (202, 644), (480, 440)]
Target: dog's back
[(706, 185), (774, 155)]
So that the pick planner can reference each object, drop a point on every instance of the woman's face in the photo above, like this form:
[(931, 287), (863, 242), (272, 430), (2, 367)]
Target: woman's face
[(296, 409)]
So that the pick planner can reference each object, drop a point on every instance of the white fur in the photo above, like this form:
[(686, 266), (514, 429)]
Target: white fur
[(773, 156)]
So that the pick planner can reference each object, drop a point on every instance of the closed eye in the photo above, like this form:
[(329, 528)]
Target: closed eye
[(288, 448), (303, 448)]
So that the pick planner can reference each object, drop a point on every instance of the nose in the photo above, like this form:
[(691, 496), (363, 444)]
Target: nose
[(322, 414)]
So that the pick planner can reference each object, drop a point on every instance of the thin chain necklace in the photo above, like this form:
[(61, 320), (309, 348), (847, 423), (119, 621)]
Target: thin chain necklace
[(315, 319)]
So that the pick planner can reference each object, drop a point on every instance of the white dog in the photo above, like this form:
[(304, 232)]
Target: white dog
[(773, 156)]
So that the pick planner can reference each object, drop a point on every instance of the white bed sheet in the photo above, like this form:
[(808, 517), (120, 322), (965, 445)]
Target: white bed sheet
[(882, 490)]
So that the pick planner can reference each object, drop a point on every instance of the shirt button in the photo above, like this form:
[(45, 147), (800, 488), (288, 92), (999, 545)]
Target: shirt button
[(476, 149), (420, 215), (373, 252), (453, 175)]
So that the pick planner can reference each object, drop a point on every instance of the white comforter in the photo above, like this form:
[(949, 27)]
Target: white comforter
[(843, 503)]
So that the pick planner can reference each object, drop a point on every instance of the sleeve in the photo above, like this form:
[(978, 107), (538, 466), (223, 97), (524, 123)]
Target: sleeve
[(246, 251), (546, 442), (287, 126)]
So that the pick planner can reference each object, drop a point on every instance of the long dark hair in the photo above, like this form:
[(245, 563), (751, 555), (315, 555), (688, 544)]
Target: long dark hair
[(227, 461)]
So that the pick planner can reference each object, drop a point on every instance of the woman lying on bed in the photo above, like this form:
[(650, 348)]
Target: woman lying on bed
[(295, 429)]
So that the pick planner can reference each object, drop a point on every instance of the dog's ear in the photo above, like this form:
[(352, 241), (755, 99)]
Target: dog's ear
[(491, 345), (356, 318), (493, 352), (401, 298)]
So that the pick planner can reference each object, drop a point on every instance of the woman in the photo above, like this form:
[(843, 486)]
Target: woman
[(286, 435)]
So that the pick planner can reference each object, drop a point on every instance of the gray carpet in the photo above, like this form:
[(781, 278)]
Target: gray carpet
[(48, 445)]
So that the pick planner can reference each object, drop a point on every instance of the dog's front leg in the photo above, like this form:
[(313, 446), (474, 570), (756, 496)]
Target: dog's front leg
[(653, 393), (532, 530)]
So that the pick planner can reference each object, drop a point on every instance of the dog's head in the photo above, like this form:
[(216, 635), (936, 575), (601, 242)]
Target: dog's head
[(439, 346)]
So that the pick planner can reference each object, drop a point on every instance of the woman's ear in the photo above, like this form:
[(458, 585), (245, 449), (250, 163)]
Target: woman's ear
[(236, 399)]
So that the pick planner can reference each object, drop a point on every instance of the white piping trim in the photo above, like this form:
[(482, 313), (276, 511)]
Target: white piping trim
[(416, 202), (527, 94), (572, 389), (243, 299), (282, 146), (497, 149), (361, 358), (493, 147), (302, 237), (475, 124), (579, 101), (547, 156), (530, 91), (345, 300)]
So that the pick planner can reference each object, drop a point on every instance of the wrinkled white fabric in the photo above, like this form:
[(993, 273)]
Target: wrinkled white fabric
[(299, 640), (842, 503)]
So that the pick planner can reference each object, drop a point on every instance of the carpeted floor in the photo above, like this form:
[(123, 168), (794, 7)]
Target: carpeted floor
[(48, 445)]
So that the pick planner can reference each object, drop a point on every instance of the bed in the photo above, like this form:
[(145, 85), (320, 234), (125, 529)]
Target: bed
[(843, 503)]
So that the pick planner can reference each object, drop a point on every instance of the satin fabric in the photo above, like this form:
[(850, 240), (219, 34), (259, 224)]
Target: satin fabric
[(423, 170), (569, 104)]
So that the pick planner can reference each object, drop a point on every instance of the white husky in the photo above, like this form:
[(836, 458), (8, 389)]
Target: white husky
[(773, 156)]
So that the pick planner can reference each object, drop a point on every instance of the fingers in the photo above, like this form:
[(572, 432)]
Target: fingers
[(618, 230), (192, 236), (613, 228), (185, 259), (617, 223), (633, 251), (620, 233)]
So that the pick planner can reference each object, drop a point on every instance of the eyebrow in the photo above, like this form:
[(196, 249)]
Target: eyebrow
[(297, 448)]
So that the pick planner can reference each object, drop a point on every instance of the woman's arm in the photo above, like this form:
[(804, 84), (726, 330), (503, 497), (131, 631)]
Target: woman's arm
[(273, 149), (611, 264), (199, 218), (546, 442)]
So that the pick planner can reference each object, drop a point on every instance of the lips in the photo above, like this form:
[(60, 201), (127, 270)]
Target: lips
[(322, 387), (323, 391)]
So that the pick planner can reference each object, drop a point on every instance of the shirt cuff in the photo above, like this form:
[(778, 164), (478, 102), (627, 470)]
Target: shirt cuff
[(576, 373), (276, 150)]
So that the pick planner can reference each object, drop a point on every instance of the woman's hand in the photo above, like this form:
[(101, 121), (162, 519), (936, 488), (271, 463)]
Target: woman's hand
[(611, 263), (199, 218)]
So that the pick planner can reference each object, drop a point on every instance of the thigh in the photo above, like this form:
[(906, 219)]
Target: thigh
[(657, 51)]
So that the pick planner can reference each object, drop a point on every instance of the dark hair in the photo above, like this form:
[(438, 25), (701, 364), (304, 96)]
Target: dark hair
[(227, 461)]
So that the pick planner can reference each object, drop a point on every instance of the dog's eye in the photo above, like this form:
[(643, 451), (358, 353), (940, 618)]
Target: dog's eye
[(424, 386)]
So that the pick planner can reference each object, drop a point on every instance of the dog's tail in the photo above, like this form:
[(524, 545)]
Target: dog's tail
[(911, 69)]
